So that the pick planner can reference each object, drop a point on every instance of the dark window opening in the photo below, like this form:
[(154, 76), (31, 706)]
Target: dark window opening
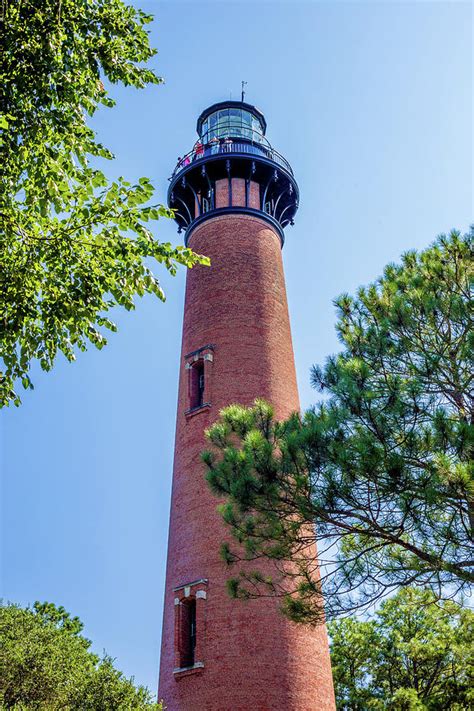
[(188, 632), (197, 384)]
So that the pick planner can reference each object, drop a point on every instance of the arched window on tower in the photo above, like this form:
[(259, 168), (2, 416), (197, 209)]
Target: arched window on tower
[(198, 366), (189, 623), (198, 382), (188, 632)]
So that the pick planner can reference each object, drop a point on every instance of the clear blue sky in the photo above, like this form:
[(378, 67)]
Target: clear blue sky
[(371, 103)]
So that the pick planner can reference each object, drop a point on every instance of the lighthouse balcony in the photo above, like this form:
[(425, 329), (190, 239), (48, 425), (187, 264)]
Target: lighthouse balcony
[(233, 175), (258, 146)]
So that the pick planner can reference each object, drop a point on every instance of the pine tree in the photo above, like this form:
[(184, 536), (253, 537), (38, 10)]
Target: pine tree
[(380, 472)]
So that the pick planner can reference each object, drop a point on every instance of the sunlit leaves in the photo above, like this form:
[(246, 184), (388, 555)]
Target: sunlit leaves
[(72, 244), (414, 654)]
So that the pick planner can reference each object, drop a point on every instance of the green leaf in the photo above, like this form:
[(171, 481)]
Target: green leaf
[(73, 244)]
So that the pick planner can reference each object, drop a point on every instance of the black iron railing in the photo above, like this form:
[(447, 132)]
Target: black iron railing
[(230, 146)]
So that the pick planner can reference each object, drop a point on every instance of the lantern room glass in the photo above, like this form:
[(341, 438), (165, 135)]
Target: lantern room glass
[(233, 123)]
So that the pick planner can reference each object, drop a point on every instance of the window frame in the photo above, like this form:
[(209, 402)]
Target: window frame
[(199, 364), (189, 640)]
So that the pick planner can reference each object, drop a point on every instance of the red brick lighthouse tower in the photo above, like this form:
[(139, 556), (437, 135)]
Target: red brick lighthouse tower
[(234, 195)]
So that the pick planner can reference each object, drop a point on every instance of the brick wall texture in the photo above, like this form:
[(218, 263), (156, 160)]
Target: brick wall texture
[(253, 657)]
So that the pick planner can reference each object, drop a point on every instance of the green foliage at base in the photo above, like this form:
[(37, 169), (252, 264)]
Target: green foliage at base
[(46, 665), (415, 654)]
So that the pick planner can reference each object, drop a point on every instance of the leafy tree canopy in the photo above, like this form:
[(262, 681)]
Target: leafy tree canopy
[(381, 471), (46, 665), (415, 654), (72, 244)]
